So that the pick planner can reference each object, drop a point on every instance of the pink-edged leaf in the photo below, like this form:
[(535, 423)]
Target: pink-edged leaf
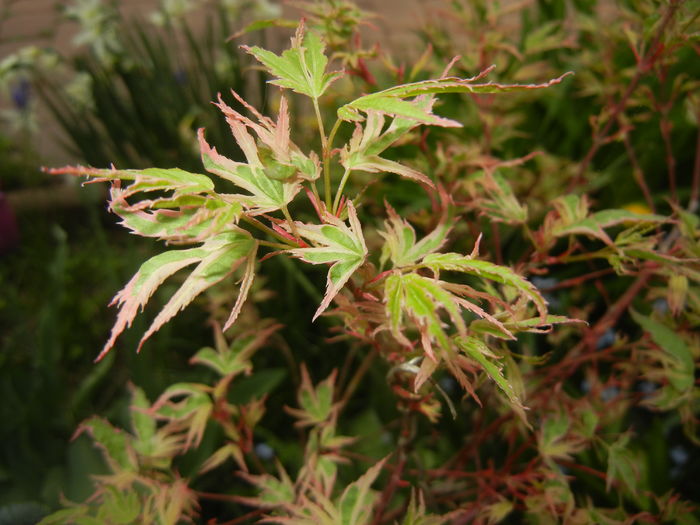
[(335, 243), (187, 406), (266, 194), (285, 161), (594, 224), (356, 503), (486, 270), (180, 182), (196, 217), (216, 258), (116, 444), (476, 349), (400, 244), (391, 101)]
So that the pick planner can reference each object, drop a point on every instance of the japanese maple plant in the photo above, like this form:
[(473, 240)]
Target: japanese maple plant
[(420, 300)]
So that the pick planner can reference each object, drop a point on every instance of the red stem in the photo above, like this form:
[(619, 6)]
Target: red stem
[(644, 66)]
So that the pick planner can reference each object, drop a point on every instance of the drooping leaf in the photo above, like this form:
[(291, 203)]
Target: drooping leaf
[(486, 270), (356, 503), (180, 182), (391, 101), (335, 243), (682, 373), (477, 350), (302, 68), (186, 219), (623, 467), (400, 244), (115, 444), (217, 258), (421, 298), (188, 405)]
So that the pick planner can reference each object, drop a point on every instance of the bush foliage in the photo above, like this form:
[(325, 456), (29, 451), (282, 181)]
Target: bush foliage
[(507, 244)]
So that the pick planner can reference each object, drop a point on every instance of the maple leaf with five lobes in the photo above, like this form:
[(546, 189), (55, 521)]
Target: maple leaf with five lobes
[(302, 68), (272, 176), (400, 244), (336, 243), (362, 152), (216, 259)]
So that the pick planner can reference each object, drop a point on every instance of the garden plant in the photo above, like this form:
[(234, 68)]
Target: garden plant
[(463, 298)]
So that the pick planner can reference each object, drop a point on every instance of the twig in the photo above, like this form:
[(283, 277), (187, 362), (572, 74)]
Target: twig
[(637, 172), (642, 69)]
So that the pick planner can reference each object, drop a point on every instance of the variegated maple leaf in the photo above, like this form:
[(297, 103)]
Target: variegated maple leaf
[(216, 258), (274, 168), (302, 68), (335, 243), (365, 146)]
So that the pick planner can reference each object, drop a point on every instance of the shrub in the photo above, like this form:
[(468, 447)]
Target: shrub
[(503, 348)]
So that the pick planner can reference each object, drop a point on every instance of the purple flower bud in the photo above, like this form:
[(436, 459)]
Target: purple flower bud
[(21, 94)]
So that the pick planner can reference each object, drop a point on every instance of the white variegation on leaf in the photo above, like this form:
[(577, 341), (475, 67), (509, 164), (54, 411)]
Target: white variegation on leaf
[(400, 244), (337, 244), (393, 101), (216, 258), (363, 150), (186, 219)]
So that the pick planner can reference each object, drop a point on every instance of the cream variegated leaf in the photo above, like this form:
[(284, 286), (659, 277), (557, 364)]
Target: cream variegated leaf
[(216, 258), (337, 244)]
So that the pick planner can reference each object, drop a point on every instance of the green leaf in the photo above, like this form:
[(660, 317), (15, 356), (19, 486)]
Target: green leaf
[(217, 258), (622, 465), (400, 244), (233, 359), (492, 194), (266, 194), (180, 182), (552, 442), (356, 503), (119, 507), (486, 270), (682, 374), (338, 244), (315, 403), (197, 217), (188, 404), (390, 101), (478, 351), (143, 424), (302, 68), (575, 219), (115, 444)]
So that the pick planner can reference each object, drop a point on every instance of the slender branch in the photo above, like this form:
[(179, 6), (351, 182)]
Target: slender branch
[(359, 374), (642, 69), (665, 127), (695, 188), (326, 153), (276, 245), (269, 231), (290, 221), (637, 172), (327, 162), (339, 192)]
